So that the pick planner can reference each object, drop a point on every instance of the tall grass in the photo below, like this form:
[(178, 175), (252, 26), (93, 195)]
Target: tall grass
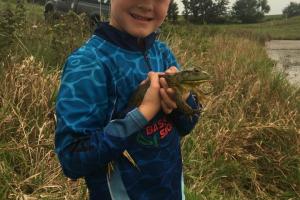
[(246, 145)]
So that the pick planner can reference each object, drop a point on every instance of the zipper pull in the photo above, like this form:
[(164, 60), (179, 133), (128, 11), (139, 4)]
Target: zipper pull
[(146, 58)]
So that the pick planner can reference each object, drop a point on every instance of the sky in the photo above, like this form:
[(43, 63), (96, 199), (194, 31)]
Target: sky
[(276, 5)]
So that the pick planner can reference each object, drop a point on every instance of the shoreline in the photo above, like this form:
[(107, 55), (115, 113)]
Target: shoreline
[(287, 55)]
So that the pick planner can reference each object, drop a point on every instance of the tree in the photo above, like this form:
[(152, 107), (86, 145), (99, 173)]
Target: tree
[(218, 12), (205, 11), (186, 10), (250, 11), (173, 11), (292, 10)]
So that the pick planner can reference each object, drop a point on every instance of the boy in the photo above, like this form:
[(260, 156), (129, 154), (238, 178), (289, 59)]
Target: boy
[(97, 82)]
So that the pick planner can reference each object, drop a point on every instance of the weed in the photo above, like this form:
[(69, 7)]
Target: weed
[(7, 30), (65, 33)]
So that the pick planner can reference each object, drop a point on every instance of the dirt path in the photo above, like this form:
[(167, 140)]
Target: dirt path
[(287, 55)]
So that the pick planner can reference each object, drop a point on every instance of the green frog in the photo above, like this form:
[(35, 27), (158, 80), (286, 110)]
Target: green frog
[(181, 82)]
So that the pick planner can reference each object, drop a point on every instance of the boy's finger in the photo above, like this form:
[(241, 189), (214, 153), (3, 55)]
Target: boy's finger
[(166, 98), (163, 83), (171, 70), (170, 92), (144, 81), (153, 77), (165, 108)]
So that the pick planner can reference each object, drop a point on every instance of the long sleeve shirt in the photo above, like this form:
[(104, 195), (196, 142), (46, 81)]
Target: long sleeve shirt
[(97, 82)]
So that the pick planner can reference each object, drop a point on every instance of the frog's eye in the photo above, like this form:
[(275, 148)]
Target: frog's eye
[(195, 69)]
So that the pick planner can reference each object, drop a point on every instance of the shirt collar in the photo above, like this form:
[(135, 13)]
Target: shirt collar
[(123, 39)]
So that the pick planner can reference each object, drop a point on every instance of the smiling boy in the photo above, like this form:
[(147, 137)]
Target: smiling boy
[(94, 125)]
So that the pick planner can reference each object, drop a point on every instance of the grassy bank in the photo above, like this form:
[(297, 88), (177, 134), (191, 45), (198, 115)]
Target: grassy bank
[(277, 29), (246, 146), (284, 29)]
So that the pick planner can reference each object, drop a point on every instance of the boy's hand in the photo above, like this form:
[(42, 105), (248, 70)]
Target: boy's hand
[(168, 104), (150, 105)]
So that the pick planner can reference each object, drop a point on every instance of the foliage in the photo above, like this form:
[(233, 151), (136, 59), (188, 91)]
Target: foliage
[(41, 2), (29, 33), (7, 30), (65, 32), (292, 10), (12, 25), (205, 11), (20, 15), (186, 11), (173, 11), (220, 11), (250, 11)]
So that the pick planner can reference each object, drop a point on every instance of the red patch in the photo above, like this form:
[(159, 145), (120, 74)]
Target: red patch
[(162, 126)]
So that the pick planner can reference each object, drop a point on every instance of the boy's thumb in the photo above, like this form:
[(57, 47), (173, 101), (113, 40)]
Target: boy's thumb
[(154, 80)]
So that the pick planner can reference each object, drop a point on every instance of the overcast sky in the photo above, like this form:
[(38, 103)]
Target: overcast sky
[(276, 5)]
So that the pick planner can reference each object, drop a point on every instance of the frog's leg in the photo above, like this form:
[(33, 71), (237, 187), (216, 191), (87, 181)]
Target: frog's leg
[(201, 96), (138, 95), (181, 104)]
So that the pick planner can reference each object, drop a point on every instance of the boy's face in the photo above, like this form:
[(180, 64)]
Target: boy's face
[(139, 18)]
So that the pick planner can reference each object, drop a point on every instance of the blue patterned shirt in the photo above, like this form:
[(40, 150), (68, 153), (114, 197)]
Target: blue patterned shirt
[(94, 125)]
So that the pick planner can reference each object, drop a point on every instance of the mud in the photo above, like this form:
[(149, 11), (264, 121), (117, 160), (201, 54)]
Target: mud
[(287, 55)]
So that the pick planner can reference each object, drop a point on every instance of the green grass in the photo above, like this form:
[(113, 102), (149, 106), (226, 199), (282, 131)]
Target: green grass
[(34, 12), (286, 29), (272, 17), (274, 28), (246, 145)]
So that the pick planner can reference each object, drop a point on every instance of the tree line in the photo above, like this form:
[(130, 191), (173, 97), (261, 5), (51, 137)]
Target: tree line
[(217, 11)]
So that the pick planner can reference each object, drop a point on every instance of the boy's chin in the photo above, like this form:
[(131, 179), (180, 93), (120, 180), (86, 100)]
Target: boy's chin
[(140, 33)]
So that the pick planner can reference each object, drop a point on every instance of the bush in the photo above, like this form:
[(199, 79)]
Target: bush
[(12, 25), (292, 10), (7, 30), (250, 11)]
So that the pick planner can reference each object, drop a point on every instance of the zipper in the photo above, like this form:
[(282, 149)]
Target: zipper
[(147, 61)]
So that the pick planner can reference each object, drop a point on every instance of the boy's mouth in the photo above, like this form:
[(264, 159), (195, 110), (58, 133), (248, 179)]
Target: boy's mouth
[(139, 17)]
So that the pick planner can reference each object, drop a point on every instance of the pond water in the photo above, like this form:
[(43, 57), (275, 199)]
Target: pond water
[(287, 55)]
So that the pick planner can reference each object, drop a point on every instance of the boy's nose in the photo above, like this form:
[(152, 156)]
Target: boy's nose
[(145, 6)]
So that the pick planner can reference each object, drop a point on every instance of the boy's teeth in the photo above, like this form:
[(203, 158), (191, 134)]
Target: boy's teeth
[(139, 17)]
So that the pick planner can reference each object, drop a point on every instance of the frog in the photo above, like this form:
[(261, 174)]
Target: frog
[(182, 82)]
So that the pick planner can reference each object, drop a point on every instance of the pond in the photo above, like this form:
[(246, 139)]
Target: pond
[(287, 55)]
